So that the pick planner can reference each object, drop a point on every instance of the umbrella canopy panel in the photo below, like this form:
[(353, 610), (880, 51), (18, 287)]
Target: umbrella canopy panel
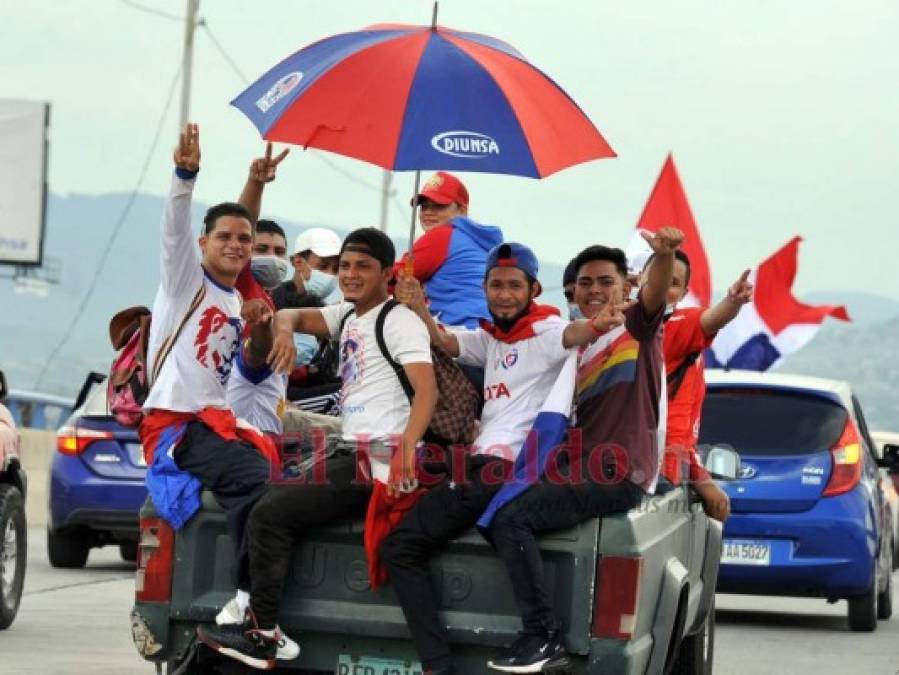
[(413, 97)]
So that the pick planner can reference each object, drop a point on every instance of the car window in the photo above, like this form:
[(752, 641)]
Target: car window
[(95, 405), (770, 422)]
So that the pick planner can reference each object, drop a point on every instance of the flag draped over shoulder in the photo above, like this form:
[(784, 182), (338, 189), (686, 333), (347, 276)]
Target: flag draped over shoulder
[(667, 206), (547, 432), (775, 324)]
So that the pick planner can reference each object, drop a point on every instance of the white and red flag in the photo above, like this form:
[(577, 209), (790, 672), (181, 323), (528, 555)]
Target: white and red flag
[(775, 324)]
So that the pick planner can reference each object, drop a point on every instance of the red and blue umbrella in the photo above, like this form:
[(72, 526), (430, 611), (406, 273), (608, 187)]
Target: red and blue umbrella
[(423, 97)]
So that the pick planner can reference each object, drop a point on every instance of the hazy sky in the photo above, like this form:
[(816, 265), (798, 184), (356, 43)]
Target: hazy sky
[(783, 116)]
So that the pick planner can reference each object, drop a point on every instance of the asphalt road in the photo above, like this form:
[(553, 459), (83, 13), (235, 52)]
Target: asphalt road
[(75, 622)]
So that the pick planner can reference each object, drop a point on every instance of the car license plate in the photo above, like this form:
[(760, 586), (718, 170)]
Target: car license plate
[(746, 552), (371, 665)]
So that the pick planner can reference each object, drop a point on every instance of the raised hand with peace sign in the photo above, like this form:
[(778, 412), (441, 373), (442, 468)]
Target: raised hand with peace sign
[(611, 314), (263, 169), (187, 152)]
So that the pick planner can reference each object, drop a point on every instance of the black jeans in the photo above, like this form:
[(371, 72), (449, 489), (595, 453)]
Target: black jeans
[(236, 474), (328, 491), (442, 514), (548, 506)]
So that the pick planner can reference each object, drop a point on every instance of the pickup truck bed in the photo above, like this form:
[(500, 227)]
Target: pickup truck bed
[(652, 571)]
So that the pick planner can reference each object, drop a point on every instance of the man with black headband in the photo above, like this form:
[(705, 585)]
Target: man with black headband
[(522, 352), (376, 412)]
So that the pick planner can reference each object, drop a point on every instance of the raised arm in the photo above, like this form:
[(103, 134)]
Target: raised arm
[(287, 322), (262, 171), (715, 318), (410, 293), (180, 263), (663, 243)]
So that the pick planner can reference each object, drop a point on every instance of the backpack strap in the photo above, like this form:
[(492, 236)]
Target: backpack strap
[(676, 379), (166, 347), (342, 324), (382, 345)]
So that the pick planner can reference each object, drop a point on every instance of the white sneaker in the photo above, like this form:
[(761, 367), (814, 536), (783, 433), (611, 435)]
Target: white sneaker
[(287, 648), (230, 614)]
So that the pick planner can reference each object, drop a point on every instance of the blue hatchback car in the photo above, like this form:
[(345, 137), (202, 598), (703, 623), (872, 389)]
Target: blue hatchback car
[(809, 516), (96, 482)]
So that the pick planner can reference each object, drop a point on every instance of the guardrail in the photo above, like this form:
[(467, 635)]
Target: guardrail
[(34, 410)]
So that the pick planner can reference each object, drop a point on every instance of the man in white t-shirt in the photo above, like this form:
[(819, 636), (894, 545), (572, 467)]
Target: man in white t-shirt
[(522, 352), (190, 437), (378, 417)]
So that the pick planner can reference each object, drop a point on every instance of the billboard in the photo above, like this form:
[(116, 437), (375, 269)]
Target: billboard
[(23, 180)]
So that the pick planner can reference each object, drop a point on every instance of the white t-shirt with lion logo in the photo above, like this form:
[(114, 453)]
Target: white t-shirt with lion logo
[(196, 372)]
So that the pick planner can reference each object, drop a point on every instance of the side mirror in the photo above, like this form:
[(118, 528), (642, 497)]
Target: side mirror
[(3, 390), (723, 463), (890, 460)]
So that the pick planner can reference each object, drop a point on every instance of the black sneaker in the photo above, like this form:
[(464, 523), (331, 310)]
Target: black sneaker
[(533, 654), (244, 642)]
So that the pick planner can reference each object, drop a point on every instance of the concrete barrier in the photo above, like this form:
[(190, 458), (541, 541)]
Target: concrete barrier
[(37, 450)]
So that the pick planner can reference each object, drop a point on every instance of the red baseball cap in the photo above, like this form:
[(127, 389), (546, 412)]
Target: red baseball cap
[(444, 188)]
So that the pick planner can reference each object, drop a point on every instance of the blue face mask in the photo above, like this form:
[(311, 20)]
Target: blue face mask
[(269, 270), (322, 285), (574, 312)]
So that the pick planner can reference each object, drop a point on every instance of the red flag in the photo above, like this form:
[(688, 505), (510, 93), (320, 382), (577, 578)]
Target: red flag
[(774, 299), (667, 206)]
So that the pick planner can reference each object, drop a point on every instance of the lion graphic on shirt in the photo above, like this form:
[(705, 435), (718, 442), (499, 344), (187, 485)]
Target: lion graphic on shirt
[(217, 342)]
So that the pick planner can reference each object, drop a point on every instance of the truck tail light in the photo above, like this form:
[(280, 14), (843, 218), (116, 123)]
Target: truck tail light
[(74, 440), (155, 554), (616, 596), (847, 463)]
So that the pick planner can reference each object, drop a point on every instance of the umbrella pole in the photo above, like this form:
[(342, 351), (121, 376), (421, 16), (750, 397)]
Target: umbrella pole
[(409, 267)]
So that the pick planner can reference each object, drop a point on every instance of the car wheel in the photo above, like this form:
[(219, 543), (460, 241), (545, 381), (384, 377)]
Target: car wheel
[(67, 549), (863, 608), (13, 552), (697, 651), (128, 551), (885, 599)]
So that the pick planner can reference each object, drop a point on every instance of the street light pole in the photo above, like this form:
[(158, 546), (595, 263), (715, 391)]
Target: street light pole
[(193, 6)]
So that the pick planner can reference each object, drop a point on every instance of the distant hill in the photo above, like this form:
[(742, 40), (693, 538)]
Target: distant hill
[(79, 226)]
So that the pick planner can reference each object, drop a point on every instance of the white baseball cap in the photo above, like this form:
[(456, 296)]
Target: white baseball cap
[(321, 241)]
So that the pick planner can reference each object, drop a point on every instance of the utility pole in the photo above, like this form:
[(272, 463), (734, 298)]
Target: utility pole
[(386, 179), (190, 26)]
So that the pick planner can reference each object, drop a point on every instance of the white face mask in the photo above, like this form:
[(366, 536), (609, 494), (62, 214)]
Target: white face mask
[(321, 284), (269, 270)]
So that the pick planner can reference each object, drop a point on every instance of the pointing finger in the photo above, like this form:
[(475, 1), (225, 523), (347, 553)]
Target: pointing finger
[(268, 153)]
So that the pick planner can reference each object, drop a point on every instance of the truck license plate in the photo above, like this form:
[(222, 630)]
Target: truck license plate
[(371, 665), (746, 552)]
